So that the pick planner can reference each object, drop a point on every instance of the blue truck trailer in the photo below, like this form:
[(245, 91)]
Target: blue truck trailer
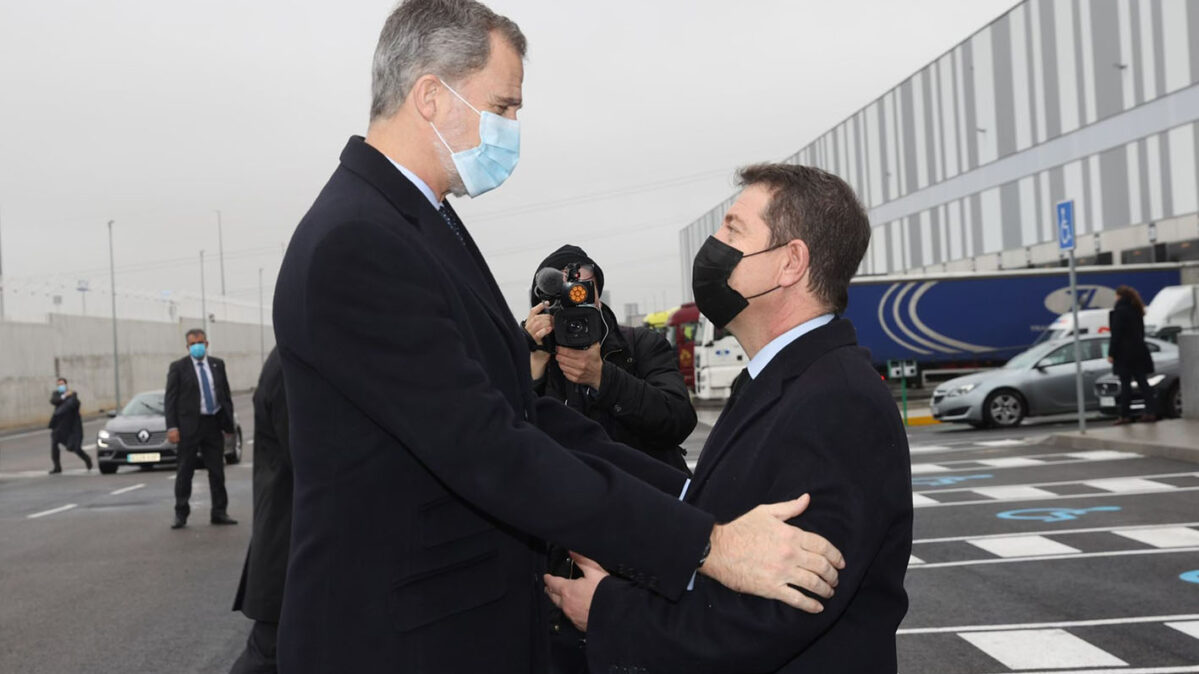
[(984, 318)]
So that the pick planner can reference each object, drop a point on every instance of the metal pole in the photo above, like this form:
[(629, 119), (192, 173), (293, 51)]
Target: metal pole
[(220, 240), (261, 323), (116, 358), (203, 296), (1082, 416), (1, 275)]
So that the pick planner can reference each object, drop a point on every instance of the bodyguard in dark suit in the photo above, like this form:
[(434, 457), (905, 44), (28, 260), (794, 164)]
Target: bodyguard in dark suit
[(260, 593), (1128, 354), (810, 416), (199, 411), (428, 476), (66, 426)]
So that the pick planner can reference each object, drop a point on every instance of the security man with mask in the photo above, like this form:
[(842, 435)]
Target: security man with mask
[(199, 412), (628, 381)]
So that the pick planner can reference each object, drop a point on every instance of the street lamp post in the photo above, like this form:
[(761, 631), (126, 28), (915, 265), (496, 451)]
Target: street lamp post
[(220, 242), (261, 323), (116, 359), (203, 296)]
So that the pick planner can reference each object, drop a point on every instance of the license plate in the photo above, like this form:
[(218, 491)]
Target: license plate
[(1105, 401), (150, 457)]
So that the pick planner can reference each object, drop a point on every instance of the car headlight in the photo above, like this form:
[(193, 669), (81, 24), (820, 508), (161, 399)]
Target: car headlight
[(1156, 379), (104, 435), (962, 390)]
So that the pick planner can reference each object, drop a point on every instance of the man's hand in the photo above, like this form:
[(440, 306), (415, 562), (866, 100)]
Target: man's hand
[(539, 324), (582, 366), (758, 553), (173, 436), (574, 596)]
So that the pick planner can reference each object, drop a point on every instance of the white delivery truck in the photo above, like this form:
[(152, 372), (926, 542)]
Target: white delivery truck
[(1173, 310), (1091, 322), (719, 358)]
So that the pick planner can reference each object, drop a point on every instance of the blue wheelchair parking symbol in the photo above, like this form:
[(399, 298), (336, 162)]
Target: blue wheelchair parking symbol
[(946, 480), (1052, 514), (1190, 576)]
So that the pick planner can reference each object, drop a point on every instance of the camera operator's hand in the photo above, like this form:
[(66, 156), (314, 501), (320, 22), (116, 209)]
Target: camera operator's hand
[(582, 366), (538, 325)]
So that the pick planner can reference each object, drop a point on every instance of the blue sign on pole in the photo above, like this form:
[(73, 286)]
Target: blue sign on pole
[(1065, 225)]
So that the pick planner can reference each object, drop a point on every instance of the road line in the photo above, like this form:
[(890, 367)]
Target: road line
[(126, 490), (1022, 546), (921, 501), (51, 512), (1037, 649), (89, 447), (1112, 481), (1129, 485), (1081, 555), (1189, 628), (1091, 530), (1001, 443), (1123, 670), (1015, 492), (1037, 460), (1137, 620), (1163, 537)]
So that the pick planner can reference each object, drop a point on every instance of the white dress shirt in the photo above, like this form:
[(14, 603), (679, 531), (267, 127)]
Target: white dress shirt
[(768, 352), (203, 364)]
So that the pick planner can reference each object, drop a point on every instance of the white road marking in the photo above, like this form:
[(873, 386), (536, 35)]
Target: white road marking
[(1023, 546), (913, 559), (1104, 455), (1061, 532), (1013, 462), (930, 449), (1138, 620), (1129, 485), (51, 512), (1038, 649), (924, 468), (89, 447), (1081, 555), (1015, 492), (1189, 628), (1001, 443), (1124, 670), (1021, 461), (920, 500), (126, 490), (1163, 537)]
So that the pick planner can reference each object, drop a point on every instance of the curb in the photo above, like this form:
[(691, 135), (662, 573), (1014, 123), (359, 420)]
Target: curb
[(922, 421), (1147, 446)]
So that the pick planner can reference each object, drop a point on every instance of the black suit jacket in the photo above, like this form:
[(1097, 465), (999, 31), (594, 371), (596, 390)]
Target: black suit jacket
[(428, 475), (182, 398), (816, 420), (66, 424), (1127, 345), (260, 593)]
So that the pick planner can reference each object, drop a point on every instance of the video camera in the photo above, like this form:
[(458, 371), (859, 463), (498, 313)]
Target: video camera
[(578, 322)]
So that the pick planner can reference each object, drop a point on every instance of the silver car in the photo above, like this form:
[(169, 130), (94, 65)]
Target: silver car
[(137, 436), (1038, 382)]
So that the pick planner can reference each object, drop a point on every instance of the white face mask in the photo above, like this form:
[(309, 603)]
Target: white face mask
[(487, 165)]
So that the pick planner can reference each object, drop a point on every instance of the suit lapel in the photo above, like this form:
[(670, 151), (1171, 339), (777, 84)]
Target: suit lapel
[(762, 393)]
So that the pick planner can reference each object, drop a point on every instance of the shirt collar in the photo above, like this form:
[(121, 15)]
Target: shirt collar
[(420, 184), (768, 352)]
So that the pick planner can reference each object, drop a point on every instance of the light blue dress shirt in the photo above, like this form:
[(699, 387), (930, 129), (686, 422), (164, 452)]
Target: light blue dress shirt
[(420, 184), (768, 352)]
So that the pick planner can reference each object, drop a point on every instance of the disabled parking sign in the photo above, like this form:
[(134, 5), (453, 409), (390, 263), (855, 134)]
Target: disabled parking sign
[(1065, 225), (1052, 514)]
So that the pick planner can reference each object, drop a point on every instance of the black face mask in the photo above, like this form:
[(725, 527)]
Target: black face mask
[(714, 264)]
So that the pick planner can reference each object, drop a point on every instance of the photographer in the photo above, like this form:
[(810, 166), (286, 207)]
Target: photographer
[(628, 380)]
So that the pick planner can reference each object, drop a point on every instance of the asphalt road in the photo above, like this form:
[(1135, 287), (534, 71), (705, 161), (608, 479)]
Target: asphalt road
[(1084, 572), (105, 585)]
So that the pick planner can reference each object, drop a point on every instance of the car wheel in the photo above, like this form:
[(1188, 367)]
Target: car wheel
[(1173, 402), (1004, 408), (107, 468), (234, 457)]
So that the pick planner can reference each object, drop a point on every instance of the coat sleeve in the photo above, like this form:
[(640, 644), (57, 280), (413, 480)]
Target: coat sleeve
[(380, 329), (170, 400), (654, 403), (857, 503)]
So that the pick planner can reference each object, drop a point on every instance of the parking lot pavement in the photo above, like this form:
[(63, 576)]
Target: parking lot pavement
[(1030, 559)]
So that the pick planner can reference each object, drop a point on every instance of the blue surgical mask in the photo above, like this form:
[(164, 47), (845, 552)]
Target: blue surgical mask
[(487, 165), (62, 388), (197, 350)]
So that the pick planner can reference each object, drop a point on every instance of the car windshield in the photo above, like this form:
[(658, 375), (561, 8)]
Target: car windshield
[(144, 404), (1029, 358), (1052, 335)]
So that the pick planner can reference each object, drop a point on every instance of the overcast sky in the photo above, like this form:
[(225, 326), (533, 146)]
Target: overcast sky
[(155, 114)]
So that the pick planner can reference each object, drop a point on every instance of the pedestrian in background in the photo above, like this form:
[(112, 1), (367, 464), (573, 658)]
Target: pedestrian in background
[(1129, 355), (66, 426), (199, 411), (260, 593)]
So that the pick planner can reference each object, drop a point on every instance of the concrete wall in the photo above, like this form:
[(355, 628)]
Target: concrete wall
[(1189, 344), (79, 348)]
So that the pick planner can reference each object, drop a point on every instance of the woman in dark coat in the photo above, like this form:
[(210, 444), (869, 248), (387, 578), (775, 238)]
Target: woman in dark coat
[(1128, 354), (66, 426)]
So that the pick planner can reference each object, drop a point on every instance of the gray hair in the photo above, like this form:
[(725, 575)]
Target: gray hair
[(447, 38)]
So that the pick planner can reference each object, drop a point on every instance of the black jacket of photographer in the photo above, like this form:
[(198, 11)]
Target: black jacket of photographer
[(642, 401)]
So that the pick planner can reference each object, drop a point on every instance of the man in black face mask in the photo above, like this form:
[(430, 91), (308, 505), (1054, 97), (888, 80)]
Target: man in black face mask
[(809, 415)]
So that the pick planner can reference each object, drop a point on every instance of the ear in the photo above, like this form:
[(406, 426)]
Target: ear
[(424, 96), (798, 260)]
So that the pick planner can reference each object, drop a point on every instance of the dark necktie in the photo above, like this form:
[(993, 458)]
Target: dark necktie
[(452, 222), (206, 387), (739, 385)]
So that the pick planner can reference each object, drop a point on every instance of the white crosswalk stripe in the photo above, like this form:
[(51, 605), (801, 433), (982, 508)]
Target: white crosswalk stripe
[(1041, 649), (1126, 485), (1015, 492), (1163, 537), (1025, 545)]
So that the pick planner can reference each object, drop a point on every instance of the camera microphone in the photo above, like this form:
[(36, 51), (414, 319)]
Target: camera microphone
[(549, 282)]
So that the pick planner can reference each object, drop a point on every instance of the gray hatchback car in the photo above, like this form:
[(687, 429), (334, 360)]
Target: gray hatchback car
[(137, 436), (1038, 382)]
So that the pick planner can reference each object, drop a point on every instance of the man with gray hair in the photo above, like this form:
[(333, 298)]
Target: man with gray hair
[(428, 475)]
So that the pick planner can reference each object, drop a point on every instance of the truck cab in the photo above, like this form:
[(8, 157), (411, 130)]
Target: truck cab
[(719, 358), (1090, 322)]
